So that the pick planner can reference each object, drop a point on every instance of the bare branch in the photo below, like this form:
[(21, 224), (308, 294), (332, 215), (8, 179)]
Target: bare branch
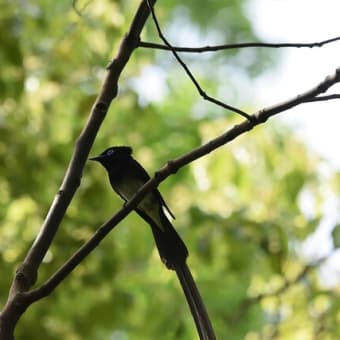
[(172, 167), (19, 297), (47, 287), (258, 117), (286, 285), (26, 275), (215, 48), (73, 174), (202, 93), (323, 98)]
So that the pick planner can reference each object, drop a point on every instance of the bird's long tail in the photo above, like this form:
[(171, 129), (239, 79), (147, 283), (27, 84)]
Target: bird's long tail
[(174, 253), (195, 302)]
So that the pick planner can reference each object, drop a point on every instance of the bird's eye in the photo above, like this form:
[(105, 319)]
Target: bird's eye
[(110, 152)]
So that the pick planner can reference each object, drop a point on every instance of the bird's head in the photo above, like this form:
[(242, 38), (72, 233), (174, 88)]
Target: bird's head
[(113, 154)]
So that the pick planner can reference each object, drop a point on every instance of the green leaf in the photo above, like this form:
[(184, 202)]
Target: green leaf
[(336, 236)]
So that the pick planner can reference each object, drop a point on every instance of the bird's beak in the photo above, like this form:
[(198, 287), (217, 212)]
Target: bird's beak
[(97, 158)]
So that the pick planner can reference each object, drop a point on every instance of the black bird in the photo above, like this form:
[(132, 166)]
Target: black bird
[(126, 177)]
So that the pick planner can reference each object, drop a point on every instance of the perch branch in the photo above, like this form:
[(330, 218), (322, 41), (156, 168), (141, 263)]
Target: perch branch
[(172, 167)]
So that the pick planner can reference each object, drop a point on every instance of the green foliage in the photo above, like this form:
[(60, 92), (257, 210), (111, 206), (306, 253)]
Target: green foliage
[(237, 208), (336, 236)]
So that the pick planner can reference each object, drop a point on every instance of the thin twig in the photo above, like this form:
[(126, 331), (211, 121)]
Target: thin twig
[(202, 93), (323, 98), (215, 48), (286, 285), (79, 11)]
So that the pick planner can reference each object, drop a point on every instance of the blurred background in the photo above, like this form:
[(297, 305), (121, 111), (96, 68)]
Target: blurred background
[(260, 216)]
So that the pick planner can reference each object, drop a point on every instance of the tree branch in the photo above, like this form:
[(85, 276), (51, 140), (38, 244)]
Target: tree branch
[(26, 274), (172, 167), (202, 93), (48, 287), (287, 284), (19, 298), (77, 10), (323, 98), (215, 48)]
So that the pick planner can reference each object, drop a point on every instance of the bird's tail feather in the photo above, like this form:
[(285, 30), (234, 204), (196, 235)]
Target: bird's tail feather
[(174, 253), (195, 302), (171, 247)]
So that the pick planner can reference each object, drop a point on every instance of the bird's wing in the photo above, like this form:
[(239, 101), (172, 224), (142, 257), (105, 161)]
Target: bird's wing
[(138, 170), (144, 176), (166, 206)]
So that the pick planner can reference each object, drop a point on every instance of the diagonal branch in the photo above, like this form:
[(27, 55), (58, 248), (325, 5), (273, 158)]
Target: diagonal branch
[(73, 174), (19, 299), (172, 167), (48, 287), (79, 10), (215, 48), (202, 93), (286, 285), (323, 98), (257, 118), (26, 274)]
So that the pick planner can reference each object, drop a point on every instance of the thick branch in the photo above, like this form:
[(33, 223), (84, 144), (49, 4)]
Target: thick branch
[(26, 275), (83, 145)]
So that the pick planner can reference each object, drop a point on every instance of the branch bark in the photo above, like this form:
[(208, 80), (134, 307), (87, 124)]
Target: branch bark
[(203, 49), (20, 296), (26, 274), (172, 167)]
